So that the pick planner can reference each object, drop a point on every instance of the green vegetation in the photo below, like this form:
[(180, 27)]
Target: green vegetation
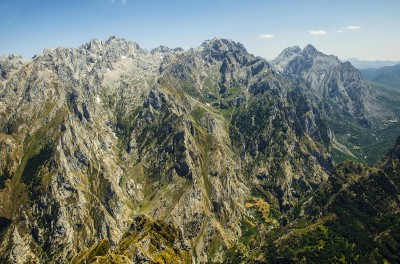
[(155, 240), (339, 156), (158, 131), (352, 135), (250, 233), (190, 88), (352, 218), (313, 245), (249, 123), (389, 75), (4, 224), (125, 124), (198, 113), (367, 146), (4, 177), (232, 93), (31, 173), (215, 246), (90, 255), (359, 223)]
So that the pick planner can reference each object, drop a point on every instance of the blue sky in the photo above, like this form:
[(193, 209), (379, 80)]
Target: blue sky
[(367, 29)]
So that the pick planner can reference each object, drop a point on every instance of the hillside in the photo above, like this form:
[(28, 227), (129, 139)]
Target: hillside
[(389, 75), (352, 218)]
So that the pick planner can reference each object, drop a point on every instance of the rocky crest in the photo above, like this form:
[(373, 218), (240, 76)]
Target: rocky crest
[(144, 242)]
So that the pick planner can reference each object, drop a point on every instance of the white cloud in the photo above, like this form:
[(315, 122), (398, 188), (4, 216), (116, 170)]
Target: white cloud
[(265, 36), (353, 27), (339, 31), (123, 2), (318, 32)]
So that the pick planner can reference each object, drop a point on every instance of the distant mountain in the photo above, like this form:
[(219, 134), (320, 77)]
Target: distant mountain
[(360, 64), (338, 84), (362, 116), (389, 75)]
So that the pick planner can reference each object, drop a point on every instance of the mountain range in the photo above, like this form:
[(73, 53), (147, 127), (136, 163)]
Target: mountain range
[(389, 75), (114, 154), (363, 64)]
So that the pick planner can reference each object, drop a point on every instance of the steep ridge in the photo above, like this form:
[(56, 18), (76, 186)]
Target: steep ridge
[(145, 241), (60, 148), (259, 106), (357, 111), (338, 84), (213, 141)]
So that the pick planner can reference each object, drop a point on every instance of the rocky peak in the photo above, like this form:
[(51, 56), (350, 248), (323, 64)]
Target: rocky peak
[(93, 45), (331, 79), (294, 60), (165, 50), (113, 49), (221, 44), (290, 51), (219, 48), (350, 72), (282, 60), (8, 64), (161, 49), (120, 42), (310, 51)]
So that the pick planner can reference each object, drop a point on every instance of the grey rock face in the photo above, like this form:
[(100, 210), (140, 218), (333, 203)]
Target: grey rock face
[(338, 84), (360, 114)]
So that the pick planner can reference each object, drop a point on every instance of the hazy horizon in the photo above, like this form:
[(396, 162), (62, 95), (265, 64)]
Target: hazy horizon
[(367, 30)]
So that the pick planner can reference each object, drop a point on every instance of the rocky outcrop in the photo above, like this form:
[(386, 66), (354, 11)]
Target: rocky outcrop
[(145, 241)]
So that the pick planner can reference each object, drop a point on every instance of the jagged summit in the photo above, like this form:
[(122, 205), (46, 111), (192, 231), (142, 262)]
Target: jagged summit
[(222, 44), (310, 49), (339, 83), (290, 51), (219, 49), (165, 49), (287, 57), (8, 64)]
